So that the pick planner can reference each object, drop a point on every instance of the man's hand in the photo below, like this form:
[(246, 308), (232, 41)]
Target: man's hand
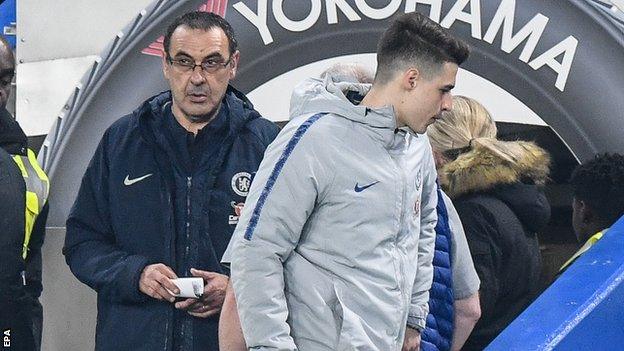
[(210, 303), (230, 331), (156, 279), (412, 340)]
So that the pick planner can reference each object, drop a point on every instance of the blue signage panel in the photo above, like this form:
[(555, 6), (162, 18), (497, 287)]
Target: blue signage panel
[(582, 310), (7, 20)]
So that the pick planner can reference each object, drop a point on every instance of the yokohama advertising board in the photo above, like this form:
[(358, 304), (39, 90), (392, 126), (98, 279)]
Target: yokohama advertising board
[(559, 62)]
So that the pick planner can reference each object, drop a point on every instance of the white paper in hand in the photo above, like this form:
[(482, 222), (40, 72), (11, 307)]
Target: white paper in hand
[(191, 287)]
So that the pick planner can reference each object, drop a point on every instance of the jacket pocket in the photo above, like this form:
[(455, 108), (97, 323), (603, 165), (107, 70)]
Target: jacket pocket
[(312, 305), (359, 326)]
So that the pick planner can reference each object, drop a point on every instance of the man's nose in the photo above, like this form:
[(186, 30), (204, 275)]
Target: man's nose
[(197, 76), (447, 102)]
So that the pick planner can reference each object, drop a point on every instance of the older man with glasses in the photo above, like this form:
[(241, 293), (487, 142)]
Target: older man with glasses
[(162, 195)]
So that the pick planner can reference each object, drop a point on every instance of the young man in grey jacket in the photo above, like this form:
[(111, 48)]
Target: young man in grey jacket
[(323, 256)]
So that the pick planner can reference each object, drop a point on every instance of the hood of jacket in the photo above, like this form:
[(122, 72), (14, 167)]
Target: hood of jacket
[(528, 202), (480, 169), (517, 184), (316, 95), (12, 137)]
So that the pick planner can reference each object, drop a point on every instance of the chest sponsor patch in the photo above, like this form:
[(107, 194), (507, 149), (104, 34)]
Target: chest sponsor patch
[(241, 182), (238, 208)]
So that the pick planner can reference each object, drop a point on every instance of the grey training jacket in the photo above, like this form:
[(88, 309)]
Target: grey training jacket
[(334, 246)]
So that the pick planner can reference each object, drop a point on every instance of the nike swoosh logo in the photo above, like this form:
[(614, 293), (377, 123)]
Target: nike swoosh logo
[(129, 181), (359, 189)]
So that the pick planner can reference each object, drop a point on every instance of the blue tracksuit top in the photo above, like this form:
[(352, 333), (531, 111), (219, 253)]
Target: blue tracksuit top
[(118, 225), (438, 333)]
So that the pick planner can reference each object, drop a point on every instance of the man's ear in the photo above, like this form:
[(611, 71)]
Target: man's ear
[(410, 78), (234, 64), (165, 65), (587, 214)]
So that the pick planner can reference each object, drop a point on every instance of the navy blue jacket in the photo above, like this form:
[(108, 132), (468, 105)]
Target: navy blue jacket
[(114, 230), (438, 333)]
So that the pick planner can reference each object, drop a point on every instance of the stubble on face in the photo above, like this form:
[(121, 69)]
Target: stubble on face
[(429, 98), (197, 95), (439, 91)]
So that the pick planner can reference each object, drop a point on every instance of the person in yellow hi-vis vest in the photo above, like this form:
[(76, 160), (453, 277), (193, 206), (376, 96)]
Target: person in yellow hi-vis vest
[(598, 188), (14, 141), (15, 312), (37, 188)]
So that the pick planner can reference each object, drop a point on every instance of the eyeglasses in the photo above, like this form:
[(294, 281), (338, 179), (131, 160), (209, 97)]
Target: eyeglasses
[(188, 65)]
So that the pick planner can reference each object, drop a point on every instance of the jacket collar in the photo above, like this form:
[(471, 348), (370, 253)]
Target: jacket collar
[(151, 118), (316, 95), (12, 137)]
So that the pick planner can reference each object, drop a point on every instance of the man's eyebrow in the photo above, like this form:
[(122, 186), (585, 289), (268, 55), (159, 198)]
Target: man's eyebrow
[(182, 53), (214, 55), (209, 56), (448, 87)]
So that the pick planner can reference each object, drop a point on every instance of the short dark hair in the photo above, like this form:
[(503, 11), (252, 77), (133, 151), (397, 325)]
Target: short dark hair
[(204, 21), (413, 38), (600, 184)]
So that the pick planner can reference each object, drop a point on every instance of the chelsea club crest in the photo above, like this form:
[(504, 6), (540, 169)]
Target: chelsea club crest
[(241, 182)]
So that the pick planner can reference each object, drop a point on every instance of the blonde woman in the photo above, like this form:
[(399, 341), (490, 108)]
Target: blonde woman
[(496, 188)]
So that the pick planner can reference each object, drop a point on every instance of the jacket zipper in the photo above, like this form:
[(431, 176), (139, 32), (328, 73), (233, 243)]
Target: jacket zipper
[(167, 331), (189, 183), (168, 335), (402, 224)]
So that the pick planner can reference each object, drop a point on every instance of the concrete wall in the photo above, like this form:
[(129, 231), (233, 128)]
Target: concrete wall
[(50, 65), (69, 307)]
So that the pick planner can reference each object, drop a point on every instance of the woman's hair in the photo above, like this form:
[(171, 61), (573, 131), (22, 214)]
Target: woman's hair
[(466, 125), (456, 129)]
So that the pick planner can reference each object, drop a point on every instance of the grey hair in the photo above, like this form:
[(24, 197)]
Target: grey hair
[(348, 72)]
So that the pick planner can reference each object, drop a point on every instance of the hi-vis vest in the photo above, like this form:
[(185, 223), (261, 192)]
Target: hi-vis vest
[(37, 188), (588, 244)]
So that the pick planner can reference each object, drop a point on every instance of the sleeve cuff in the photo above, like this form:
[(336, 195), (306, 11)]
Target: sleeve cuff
[(137, 264), (467, 292), (417, 318), (416, 323)]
